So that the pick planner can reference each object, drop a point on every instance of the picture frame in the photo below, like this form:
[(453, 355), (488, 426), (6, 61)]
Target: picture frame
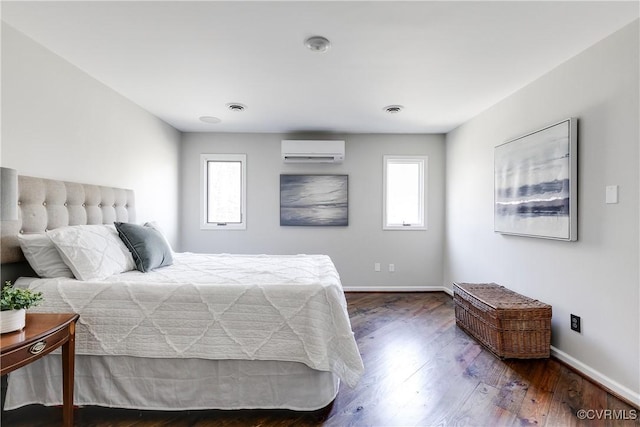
[(536, 183), (314, 200)]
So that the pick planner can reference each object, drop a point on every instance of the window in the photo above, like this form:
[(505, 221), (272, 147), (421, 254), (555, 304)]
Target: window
[(224, 183), (404, 193)]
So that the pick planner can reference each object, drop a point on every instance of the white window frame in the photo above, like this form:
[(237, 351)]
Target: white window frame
[(422, 161), (204, 160)]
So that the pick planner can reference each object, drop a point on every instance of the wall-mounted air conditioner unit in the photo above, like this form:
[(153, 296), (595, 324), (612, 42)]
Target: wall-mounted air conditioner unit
[(303, 151)]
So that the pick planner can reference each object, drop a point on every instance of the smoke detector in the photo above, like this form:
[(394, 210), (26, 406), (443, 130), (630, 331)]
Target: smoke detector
[(210, 119)]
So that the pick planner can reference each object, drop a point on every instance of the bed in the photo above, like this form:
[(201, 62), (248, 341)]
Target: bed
[(207, 331)]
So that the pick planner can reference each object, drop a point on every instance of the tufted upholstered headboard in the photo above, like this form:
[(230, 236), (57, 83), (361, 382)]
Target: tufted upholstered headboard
[(45, 204)]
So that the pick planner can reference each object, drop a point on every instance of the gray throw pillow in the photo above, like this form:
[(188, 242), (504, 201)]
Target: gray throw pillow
[(147, 245)]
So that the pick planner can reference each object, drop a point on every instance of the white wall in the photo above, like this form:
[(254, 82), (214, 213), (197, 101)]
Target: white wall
[(596, 277), (417, 255), (60, 123)]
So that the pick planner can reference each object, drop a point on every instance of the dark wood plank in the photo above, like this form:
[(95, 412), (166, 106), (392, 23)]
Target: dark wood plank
[(566, 401), (621, 413), (542, 382), (480, 409), (420, 370)]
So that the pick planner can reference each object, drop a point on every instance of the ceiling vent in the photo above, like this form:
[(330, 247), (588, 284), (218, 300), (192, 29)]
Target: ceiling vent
[(234, 106), (312, 151), (317, 44), (393, 109)]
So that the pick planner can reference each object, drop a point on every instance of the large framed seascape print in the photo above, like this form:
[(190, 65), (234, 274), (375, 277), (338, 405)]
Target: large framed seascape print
[(536, 183), (314, 200)]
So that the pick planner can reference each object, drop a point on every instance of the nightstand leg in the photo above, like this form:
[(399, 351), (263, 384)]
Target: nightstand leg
[(68, 367)]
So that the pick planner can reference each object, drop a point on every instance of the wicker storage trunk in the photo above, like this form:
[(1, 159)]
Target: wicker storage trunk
[(507, 323)]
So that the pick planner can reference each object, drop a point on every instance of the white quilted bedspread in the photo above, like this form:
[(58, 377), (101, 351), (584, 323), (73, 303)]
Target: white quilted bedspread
[(251, 307)]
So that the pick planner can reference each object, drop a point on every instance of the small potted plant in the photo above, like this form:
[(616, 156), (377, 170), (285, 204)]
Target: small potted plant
[(13, 303)]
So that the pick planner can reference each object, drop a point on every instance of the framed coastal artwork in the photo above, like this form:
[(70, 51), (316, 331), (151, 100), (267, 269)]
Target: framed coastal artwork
[(314, 200), (535, 187)]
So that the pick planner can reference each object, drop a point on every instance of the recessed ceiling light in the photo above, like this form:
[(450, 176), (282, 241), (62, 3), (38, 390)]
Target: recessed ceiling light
[(317, 44), (210, 119), (235, 106), (393, 109)]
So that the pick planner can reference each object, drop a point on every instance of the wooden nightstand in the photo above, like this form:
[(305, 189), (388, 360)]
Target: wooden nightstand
[(42, 334)]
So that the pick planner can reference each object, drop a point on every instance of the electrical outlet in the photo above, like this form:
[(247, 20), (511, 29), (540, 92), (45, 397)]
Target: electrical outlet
[(392, 268), (575, 323), (376, 266)]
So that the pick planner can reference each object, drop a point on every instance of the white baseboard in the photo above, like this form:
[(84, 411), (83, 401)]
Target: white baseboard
[(397, 289), (597, 376)]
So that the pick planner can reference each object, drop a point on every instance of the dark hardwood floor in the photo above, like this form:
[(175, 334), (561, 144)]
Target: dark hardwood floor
[(420, 370)]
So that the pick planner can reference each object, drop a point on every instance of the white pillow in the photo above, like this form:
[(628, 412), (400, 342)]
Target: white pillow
[(92, 251), (43, 256)]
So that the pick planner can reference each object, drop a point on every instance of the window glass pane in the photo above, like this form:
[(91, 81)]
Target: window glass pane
[(224, 192), (404, 193)]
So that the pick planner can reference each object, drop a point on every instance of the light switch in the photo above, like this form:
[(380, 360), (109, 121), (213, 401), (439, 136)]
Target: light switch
[(612, 194)]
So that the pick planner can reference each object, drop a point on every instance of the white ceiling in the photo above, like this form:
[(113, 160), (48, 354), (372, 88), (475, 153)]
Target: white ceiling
[(445, 62)]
